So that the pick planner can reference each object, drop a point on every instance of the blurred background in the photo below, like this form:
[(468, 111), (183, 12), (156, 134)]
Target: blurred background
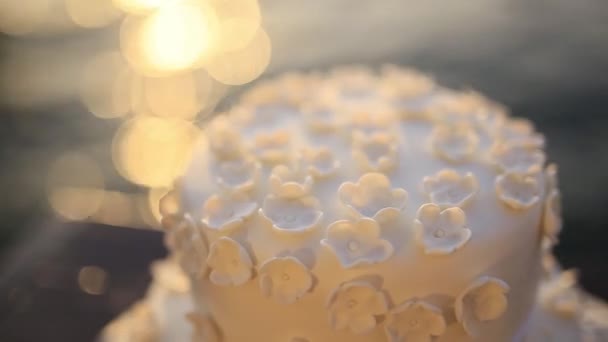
[(100, 101)]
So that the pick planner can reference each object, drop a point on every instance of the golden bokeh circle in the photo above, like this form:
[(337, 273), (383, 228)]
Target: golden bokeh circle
[(153, 151), (242, 66)]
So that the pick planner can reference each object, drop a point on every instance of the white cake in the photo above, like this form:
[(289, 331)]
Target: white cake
[(365, 207)]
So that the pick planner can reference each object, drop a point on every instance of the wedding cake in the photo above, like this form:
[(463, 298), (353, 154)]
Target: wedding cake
[(362, 206)]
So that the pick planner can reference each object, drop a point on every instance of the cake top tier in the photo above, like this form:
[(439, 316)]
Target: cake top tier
[(358, 186)]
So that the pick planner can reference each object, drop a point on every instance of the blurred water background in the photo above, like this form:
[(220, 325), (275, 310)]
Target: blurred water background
[(69, 100)]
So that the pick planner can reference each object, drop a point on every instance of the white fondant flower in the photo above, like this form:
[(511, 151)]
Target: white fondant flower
[(272, 147), (448, 188), (169, 204), (484, 300), (290, 182), (377, 152), (189, 245), (414, 321), (354, 306), (454, 143), (237, 174), (298, 88), (356, 243), (264, 93), (225, 141), (320, 162), (417, 108), (560, 294), (441, 232), (228, 211), (518, 158), (367, 122), (320, 117), (373, 197), (519, 192), (285, 279), (520, 131), (291, 215), (552, 215), (351, 84), (167, 274), (204, 327), (230, 263), (405, 83), (460, 108)]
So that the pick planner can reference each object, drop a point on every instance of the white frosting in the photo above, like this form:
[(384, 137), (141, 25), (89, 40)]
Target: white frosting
[(345, 244)]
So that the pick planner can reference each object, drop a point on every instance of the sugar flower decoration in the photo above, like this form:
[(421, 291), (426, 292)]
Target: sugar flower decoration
[(454, 143), (354, 306), (518, 192), (377, 152), (189, 246), (518, 158), (561, 296), (320, 162), (230, 263), (204, 327), (351, 84), (357, 243), (441, 232), (169, 204), (291, 215), (460, 108), (272, 147), (373, 197), (228, 211), (285, 279), (237, 175), (320, 117), (484, 300), (367, 122), (520, 131), (224, 140), (405, 83), (290, 182), (167, 274), (414, 321), (448, 188), (552, 215)]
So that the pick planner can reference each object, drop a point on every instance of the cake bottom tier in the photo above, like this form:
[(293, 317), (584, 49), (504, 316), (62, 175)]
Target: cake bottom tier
[(165, 315)]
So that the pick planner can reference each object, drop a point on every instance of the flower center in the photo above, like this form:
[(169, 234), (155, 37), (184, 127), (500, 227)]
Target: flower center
[(353, 245), (439, 233)]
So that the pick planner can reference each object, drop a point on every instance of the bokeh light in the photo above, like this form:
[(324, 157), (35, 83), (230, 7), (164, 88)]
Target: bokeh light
[(92, 13), (75, 186), (173, 38), (153, 200), (93, 280), (106, 86), (139, 7), (153, 151), (242, 66), (182, 95), (117, 209), (238, 22)]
